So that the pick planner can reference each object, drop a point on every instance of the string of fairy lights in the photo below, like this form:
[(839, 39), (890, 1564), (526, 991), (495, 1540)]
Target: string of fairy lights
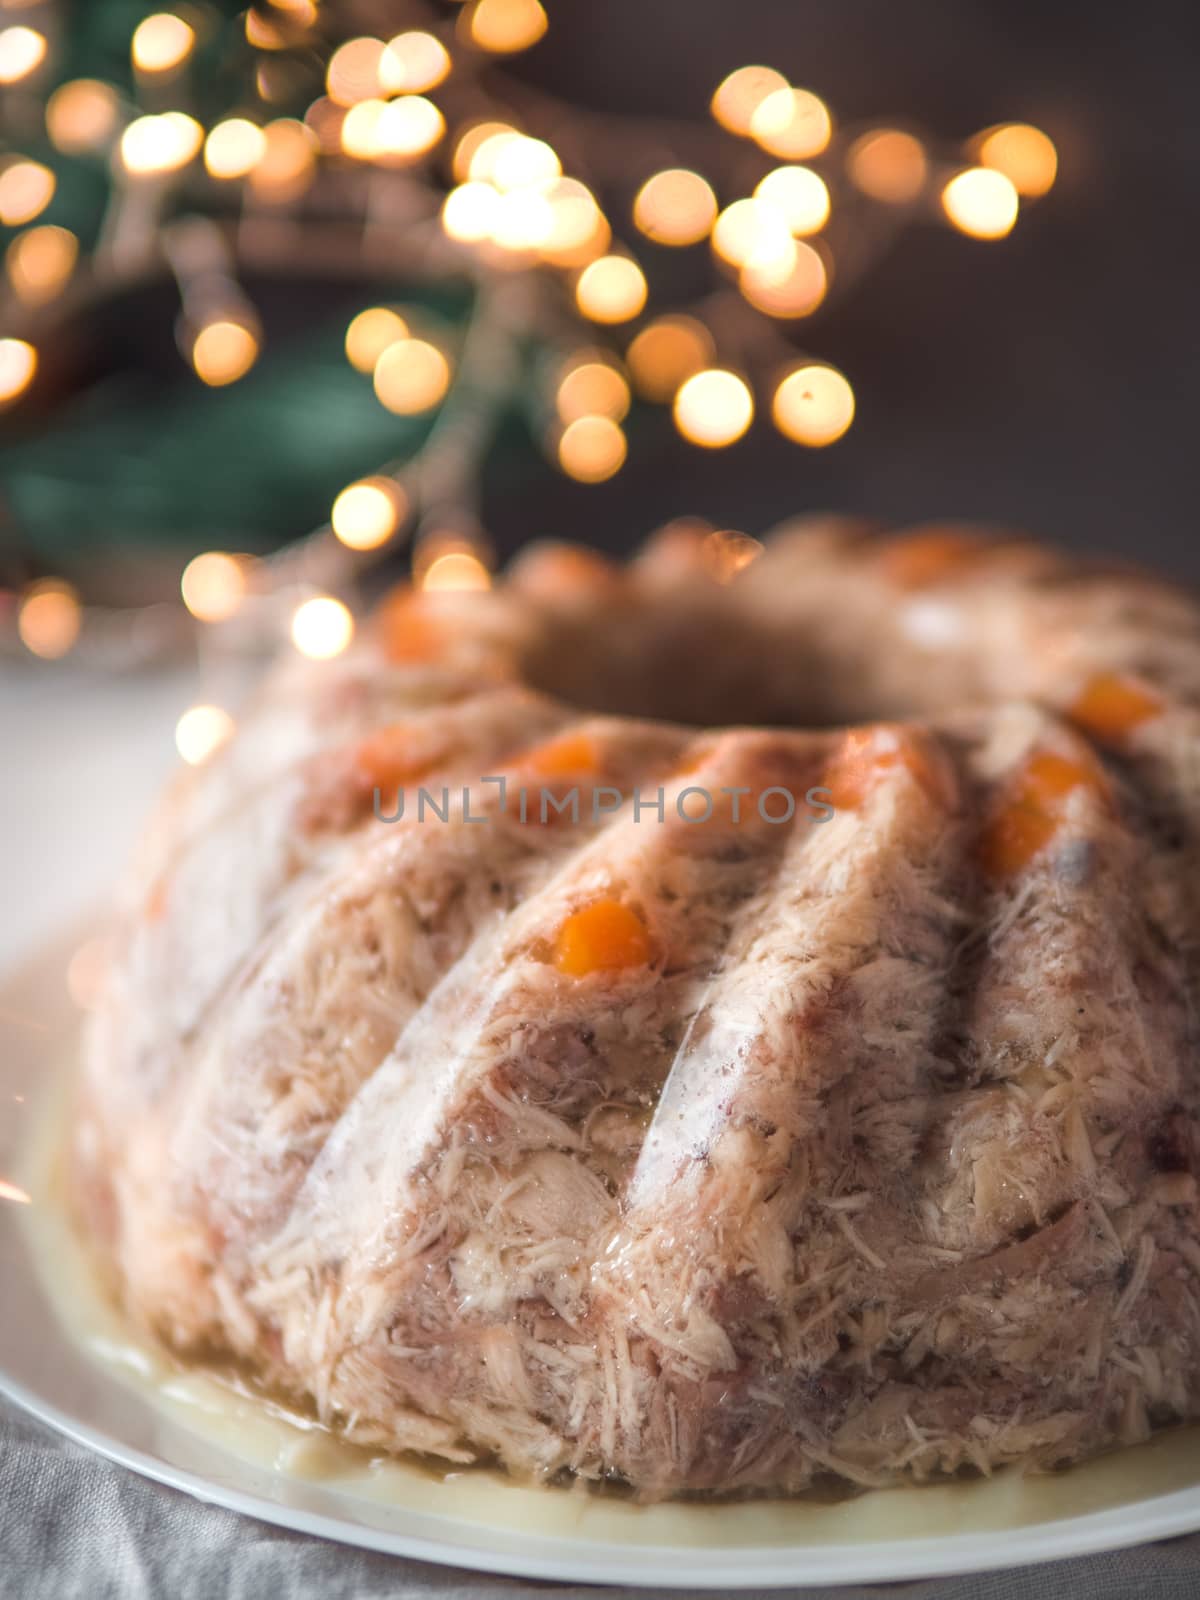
[(383, 135)]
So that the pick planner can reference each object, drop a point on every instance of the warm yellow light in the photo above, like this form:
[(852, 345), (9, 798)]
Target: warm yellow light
[(213, 585), (591, 449), (26, 189), (287, 163), (13, 1192), (739, 96), (469, 144), (201, 732), (407, 128), (22, 51), (370, 333), (456, 570), (49, 619), (667, 352), (795, 293), (675, 207), (360, 129), (981, 203), (367, 514), (469, 212), (592, 389), (799, 195), (234, 148), (518, 162), (81, 115), (324, 118), (322, 628), (714, 408), (814, 405), (354, 71), (1024, 154), (161, 42), (524, 220), (611, 289), (39, 262), (505, 26), (160, 144), (888, 165), (18, 364), (413, 62), (579, 231), (792, 123), (264, 34), (223, 352), (411, 376), (752, 231)]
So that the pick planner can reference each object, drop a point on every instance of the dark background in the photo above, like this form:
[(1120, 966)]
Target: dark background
[(1045, 381), (1048, 380)]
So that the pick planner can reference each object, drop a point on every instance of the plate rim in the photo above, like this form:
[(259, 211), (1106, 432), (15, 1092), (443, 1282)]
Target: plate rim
[(476, 1545), (1159, 1517)]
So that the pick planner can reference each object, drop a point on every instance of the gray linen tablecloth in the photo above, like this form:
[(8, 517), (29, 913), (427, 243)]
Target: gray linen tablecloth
[(76, 1527)]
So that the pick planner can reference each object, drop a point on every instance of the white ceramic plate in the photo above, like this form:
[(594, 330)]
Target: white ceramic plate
[(66, 1357)]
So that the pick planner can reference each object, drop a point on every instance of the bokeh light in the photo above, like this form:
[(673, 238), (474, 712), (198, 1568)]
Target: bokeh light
[(739, 96), (813, 405), (234, 148), (322, 628), (49, 619), (591, 388), (793, 124), (157, 144), (200, 733), (413, 63), (794, 293), (448, 570), (39, 262), (591, 449), (161, 42), (81, 115), (981, 203), (354, 71), (26, 189), (753, 230), (799, 195), (224, 351), (675, 207), (370, 333), (470, 212), (411, 376), (287, 163), (18, 366), (470, 142), (1024, 154), (888, 165), (503, 27), (579, 230), (406, 128), (523, 222), (22, 51), (612, 289), (366, 514), (213, 585), (714, 408), (514, 161), (665, 353)]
